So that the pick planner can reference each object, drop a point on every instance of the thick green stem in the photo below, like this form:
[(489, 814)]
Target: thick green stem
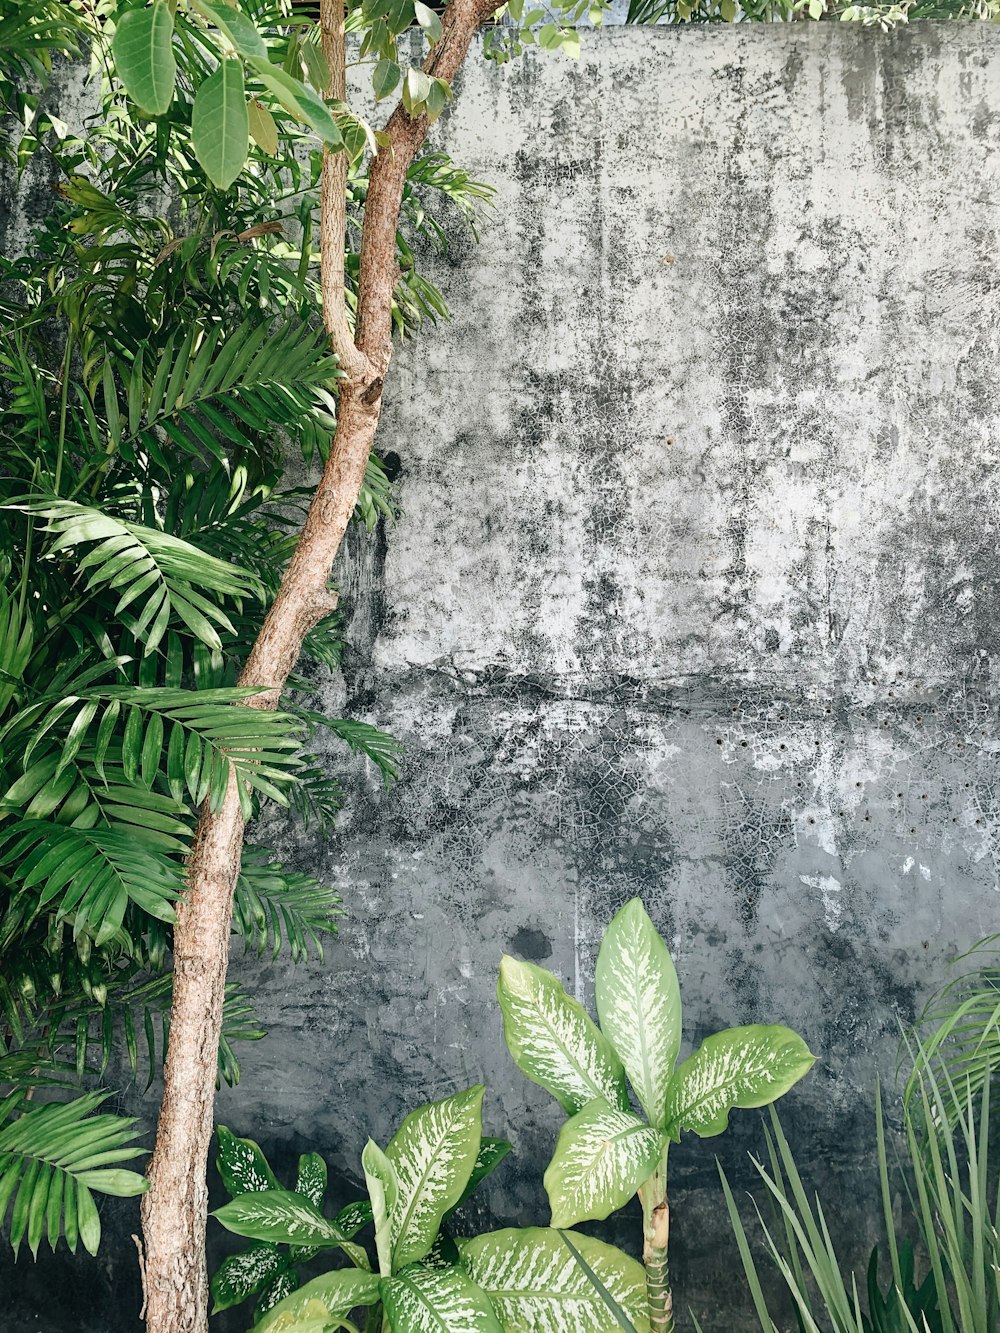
[(656, 1240)]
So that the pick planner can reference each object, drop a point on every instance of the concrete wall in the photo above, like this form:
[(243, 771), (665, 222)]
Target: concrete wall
[(693, 597)]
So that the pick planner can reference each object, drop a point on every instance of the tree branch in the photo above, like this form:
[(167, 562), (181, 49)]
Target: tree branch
[(333, 200)]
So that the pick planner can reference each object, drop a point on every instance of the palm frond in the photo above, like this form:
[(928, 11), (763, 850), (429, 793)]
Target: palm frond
[(960, 1026), (194, 738), (51, 1159), (89, 875), (160, 577), (382, 749), (273, 903)]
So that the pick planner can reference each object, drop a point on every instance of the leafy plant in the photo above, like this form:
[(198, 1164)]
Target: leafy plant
[(954, 1204), (606, 1153), (427, 1281)]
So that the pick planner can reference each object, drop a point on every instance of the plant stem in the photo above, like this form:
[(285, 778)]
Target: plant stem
[(656, 1240)]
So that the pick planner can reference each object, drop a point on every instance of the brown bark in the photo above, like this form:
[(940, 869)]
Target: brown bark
[(174, 1210)]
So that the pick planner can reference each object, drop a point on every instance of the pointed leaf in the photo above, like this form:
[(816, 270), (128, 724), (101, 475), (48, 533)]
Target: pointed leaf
[(144, 58), (338, 1293), (437, 1300), (639, 1005), (220, 128), (280, 1216), (433, 1153), (535, 1282), (553, 1041), (242, 1165), (602, 1157), (243, 1275), (745, 1067), (383, 1190)]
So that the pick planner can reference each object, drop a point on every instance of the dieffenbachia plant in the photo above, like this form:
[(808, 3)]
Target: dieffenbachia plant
[(423, 1280), (606, 1152)]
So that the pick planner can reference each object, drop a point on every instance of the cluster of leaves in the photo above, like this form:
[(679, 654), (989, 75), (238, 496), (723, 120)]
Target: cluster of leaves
[(606, 1152), (154, 372), (425, 1280)]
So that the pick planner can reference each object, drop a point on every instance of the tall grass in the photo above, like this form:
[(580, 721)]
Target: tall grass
[(954, 1208)]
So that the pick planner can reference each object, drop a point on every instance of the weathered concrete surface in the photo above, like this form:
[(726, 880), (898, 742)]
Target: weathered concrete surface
[(694, 597)]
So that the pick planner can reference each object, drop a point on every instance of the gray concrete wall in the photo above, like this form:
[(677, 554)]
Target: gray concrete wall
[(693, 597)]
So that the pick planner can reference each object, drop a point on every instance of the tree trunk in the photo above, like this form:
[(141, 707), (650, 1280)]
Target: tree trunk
[(174, 1211)]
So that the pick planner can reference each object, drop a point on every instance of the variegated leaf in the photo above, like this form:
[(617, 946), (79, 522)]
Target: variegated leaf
[(602, 1157), (383, 1190), (432, 1153), (242, 1165), (639, 1005), (241, 1275), (745, 1067), (437, 1300), (553, 1041), (310, 1180), (332, 1296), (279, 1216), (537, 1285)]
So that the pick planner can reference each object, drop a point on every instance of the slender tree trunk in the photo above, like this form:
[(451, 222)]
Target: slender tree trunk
[(174, 1210)]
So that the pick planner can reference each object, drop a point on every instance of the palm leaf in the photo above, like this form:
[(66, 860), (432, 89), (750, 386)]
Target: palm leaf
[(272, 904), (158, 579), (89, 875), (51, 1158)]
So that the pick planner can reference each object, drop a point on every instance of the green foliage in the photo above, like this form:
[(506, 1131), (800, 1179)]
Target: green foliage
[(606, 1153), (427, 1282), (954, 1204), (52, 1157)]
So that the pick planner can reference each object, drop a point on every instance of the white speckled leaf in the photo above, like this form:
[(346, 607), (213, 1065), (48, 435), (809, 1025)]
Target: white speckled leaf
[(242, 1165), (241, 1275), (383, 1189), (334, 1296), (279, 1216), (602, 1157), (437, 1300), (537, 1286), (745, 1067), (432, 1153), (639, 1005), (553, 1041)]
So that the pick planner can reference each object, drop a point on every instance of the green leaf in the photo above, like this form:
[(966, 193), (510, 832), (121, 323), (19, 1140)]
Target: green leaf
[(280, 1216), (740, 1067), (305, 105), (553, 1041), (385, 78), (383, 1190), (416, 86), (428, 20), (535, 1282), (240, 30), (639, 1005), (432, 1153), (220, 126), (263, 130), (53, 1155), (602, 1157), (338, 1293), (437, 1300), (491, 1154), (242, 1165), (242, 1275), (144, 58)]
